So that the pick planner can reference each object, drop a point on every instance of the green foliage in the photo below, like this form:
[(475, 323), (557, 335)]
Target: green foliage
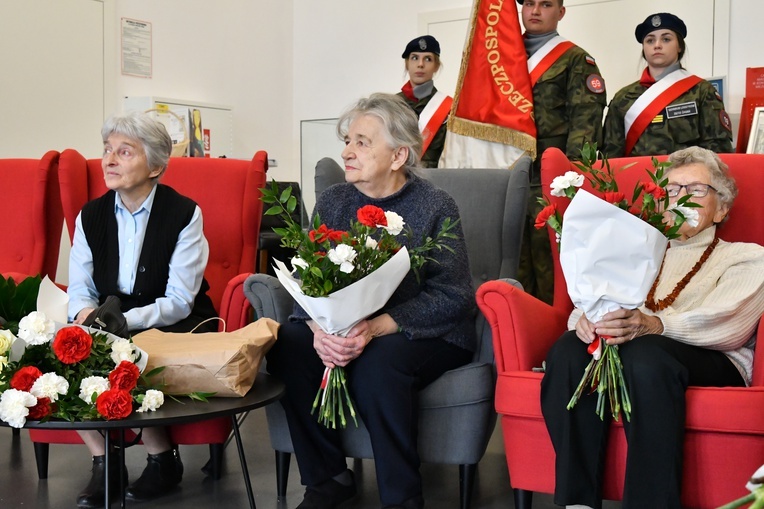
[(319, 275), (652, 206), (17, 300)]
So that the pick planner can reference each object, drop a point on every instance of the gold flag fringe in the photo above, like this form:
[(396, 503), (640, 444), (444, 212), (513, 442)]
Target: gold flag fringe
[(487, 132), (494, 133), (465, 58)]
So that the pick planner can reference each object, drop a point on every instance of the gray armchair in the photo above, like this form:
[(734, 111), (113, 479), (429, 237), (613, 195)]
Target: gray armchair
[(457, 413)]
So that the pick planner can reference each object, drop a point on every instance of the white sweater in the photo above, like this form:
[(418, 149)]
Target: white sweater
[(721, 306)]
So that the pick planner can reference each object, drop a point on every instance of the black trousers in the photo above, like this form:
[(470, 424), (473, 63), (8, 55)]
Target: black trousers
[(657, 370), (383, 382)]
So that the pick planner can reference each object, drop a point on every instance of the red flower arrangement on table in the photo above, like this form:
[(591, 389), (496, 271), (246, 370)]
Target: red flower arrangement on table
[(329, 263), (71, 373), (650, 203)]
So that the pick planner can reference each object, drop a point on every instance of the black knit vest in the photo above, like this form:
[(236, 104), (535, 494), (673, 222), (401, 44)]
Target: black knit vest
[(170, 214)]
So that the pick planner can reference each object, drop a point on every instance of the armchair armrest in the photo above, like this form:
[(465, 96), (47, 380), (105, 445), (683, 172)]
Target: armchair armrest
[(524, 328), (268, 298), (758, 358), (234, 306)]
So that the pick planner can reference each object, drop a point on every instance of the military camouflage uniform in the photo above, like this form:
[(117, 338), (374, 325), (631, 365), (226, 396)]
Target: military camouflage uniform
[(432, 154), (568, 106), (709, 128)]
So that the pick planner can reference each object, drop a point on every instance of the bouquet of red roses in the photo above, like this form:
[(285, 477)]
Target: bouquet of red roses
[(592, 242), (333, 271)]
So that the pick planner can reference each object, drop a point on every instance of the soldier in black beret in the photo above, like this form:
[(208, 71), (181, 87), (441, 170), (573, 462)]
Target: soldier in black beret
[(422, 56), (675, 110)]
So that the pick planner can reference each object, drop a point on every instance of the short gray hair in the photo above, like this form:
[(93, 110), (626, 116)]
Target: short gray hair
[(401, 126), (151, 133), (721, 180)]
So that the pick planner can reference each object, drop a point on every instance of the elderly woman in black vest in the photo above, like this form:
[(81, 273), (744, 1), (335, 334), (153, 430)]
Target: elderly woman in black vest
[(142, 242)]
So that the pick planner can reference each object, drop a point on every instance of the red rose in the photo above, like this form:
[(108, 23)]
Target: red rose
[(25, 378), (544, 215), (657, 191), (114, 404), (41, 409), (369, 215), (125, 376), (614, 197), (72, 345)]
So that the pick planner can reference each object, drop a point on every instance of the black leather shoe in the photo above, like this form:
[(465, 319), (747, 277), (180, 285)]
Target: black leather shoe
[(328, 495), (163, 472), (93, 495)]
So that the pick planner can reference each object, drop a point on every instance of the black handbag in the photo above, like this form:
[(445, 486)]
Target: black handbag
[(108, 317)]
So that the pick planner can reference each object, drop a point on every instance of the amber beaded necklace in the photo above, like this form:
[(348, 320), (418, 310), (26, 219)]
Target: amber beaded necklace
[(670, 298)]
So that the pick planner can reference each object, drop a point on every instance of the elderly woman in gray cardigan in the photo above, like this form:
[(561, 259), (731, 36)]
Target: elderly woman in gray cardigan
[(424, 329), (697, 327)]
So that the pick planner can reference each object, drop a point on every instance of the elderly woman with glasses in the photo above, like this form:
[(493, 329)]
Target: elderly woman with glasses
[(697, 327), (142, 242)]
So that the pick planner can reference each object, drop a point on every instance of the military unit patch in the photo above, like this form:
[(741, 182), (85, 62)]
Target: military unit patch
[(725, 120), (595, 83)]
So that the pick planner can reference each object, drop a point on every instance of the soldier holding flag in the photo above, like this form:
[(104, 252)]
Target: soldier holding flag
[(568, 100)]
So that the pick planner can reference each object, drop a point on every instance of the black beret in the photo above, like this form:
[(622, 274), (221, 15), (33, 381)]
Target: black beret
[(658, 21), (424, 43)]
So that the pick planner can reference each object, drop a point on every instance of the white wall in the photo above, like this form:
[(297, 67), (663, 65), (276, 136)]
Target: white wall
[(746, 47), (237, 53), (277, 62)]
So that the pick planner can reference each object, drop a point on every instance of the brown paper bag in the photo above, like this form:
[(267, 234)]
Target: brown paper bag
[(225, 363)]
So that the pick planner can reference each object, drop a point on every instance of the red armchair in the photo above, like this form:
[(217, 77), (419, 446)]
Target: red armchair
[(227, 192), (31, 206), (724, 441)]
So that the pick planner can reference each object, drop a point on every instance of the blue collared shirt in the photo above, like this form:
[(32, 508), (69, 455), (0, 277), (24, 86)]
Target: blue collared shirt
[(187, 264)]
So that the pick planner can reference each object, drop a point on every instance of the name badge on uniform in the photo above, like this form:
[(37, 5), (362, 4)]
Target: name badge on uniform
[(682, 110)]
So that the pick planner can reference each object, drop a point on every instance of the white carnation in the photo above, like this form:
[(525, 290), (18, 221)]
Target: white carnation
[(122, 350), (298, 262), (6, 340), (691, 215), (152, 400), (563, 182), (395, 223), (343, 255), (49, 385), (36, 329), (371, 243), (751, 485), (14, 407), (93, 385)]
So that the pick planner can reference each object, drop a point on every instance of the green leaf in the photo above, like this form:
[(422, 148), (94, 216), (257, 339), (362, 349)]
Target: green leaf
[(285, 195), (291, 204)]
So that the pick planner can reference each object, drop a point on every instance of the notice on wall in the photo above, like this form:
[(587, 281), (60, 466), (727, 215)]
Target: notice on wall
[(136, 48)]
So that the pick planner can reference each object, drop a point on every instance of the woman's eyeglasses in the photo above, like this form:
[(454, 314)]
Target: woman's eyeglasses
[(696, 190)]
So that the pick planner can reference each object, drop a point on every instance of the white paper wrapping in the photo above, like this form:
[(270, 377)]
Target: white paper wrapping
[(53, 301), (609, 257), (338, 312)]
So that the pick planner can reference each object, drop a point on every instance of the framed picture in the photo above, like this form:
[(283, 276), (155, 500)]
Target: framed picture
[(756, 139)]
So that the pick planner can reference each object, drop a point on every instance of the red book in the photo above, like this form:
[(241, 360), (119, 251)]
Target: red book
[(754, 82)]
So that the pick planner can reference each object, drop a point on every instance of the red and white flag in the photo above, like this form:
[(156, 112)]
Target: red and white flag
[(491, 123)]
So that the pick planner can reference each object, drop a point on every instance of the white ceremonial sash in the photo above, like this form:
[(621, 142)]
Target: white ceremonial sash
[(651, 94)]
